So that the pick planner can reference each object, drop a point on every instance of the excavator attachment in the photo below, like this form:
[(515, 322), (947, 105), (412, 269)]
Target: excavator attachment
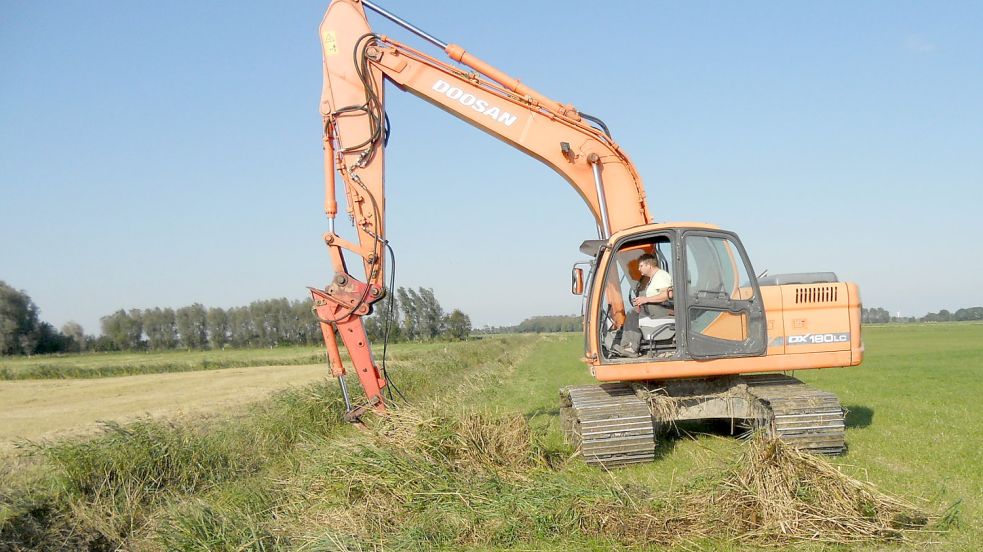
[(339, 314), (352, 112)]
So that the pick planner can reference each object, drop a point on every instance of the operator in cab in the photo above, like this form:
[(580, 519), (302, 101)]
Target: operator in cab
[(652, 308), (651, 299)]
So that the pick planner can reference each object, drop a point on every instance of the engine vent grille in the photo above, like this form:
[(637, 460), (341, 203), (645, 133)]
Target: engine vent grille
[(818, 294)]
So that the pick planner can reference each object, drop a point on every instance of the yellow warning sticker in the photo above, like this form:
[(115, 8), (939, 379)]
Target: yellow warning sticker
[(330, 43)]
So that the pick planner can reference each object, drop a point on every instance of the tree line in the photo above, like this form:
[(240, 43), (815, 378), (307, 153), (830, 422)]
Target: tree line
[(547, 324), (877, 315), (23, 332), (416, 316), (539, 324), (265, 323)]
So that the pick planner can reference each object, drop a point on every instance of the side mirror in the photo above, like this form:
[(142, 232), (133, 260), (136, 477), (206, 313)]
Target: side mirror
[(577, 281)]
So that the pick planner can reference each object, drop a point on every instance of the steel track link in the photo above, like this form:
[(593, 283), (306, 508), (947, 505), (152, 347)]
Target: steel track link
[(608, 423), (613, 425), (805, 417)]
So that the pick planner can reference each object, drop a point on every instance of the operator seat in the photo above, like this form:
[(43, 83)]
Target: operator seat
[(658, 337), (657, 328)]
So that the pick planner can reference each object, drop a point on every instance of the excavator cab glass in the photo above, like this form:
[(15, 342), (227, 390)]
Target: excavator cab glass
[(724, 311), (679, 294), (639, 320)]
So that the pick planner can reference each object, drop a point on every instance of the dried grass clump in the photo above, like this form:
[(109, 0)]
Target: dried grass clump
[(632, 515), (469, 441), (775, 494), (426, 478), (664, 408)]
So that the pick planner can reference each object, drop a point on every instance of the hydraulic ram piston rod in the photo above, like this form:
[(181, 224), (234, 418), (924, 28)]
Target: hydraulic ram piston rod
[(602, 204), (405, 24)]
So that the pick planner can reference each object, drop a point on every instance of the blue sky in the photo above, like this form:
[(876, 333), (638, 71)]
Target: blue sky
[(159, 154)]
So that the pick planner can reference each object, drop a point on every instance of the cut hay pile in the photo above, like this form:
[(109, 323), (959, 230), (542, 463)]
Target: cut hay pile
[(775, 494), (473, 479)]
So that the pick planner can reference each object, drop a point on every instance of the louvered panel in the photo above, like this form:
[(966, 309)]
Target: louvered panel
[(816, 294)]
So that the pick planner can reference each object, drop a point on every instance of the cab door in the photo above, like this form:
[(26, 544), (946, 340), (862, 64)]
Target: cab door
[(723, 309)]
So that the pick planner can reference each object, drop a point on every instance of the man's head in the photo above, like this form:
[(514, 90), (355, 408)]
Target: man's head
[(648, 265)]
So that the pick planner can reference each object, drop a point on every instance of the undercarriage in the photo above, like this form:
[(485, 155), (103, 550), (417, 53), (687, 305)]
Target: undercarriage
[(615, 424)]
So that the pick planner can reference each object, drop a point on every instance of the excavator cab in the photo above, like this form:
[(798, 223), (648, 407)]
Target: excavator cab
[(711, 310)]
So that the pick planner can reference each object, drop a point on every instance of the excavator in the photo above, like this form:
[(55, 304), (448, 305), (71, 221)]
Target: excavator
[(723, 341)]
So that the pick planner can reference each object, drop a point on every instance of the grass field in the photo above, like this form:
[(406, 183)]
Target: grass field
[(101, 365), (286, 474), (97, 365), (44, 409), (913, 428), (66, 402)]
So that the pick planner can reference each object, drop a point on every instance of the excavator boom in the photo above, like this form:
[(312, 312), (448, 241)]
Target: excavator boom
[(356, 64)]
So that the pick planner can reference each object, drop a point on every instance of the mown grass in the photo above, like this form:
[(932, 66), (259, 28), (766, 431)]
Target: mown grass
[(101, 365), (170, 483), (477, 462), (98, 492)]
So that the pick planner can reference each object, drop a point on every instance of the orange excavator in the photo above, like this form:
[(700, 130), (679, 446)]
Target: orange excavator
[(677, 326)]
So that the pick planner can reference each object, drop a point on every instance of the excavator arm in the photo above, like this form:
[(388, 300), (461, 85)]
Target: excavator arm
[(356, 64)]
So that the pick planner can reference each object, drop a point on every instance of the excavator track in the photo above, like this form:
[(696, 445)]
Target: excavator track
[(615, 424), (609, 423), (805, 417)]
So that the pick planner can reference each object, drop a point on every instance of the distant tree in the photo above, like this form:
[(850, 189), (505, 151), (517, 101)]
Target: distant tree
[(458, 325), (265, 322), (241, 330), (375, 324), (421, 313), (218, 327), (308, 329), (136, 318), (19, 322), (431, 314), (553, 323), (257, 320), (75, 336), (123, 330), (101, 344), (875, 316), (192, 324), (291, 330), (972, 313), (50, 340), (488, 329), (409, 305), (282, 319), (160, 326)]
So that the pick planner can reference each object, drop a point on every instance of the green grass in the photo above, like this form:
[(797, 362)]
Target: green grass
[(915, 410), (913, 428), (289, 475)]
